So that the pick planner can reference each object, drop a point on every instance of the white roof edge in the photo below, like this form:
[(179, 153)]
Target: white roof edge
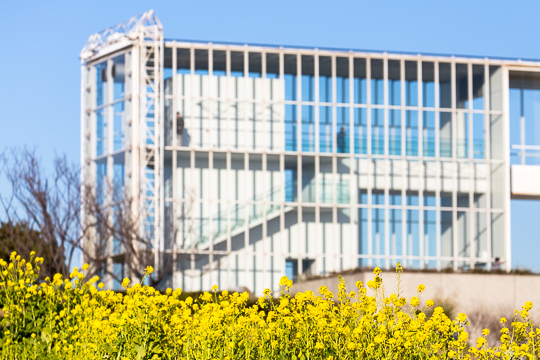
[(146, 24)]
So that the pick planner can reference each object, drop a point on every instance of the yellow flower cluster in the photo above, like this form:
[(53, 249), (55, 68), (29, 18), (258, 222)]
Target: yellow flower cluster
[(74, 319)]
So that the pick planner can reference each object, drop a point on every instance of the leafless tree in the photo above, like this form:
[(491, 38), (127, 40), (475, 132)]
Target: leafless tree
[(49, 205), (103, 222)]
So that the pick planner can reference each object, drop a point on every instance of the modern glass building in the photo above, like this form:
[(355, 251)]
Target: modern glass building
[(304, 161)]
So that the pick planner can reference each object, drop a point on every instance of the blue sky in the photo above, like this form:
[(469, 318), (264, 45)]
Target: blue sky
[(40, 69)]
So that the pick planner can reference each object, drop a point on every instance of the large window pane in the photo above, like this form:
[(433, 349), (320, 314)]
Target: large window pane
[(290, 77), (377, 131), (291, 126), (429, 133), (462, 132), (308, 78), (479, 136), (342, 137), (219, 59), (394, 82), (183, 61), (430, 233), (360, 82), (413, 234), (255, 65), (445, 133), (411, 83), (101, 83), (394, 132), (274, 86), (462, 86), (478, 87), (101, 133), (411, 132), (396, 226), (201, 62), (445, 85), (237, 64), (325, 129), (342, 80), (119, 126), (118, 75), (308, 128), (360, 128), (325, 79), (377, 82), (447, 237), (428, 84)]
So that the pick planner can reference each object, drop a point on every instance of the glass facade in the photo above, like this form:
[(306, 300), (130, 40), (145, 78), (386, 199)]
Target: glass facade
[(300, 162), (336, 160)]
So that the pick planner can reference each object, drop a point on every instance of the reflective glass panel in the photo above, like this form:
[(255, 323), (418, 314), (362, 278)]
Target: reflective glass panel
[(428, 84), (201, 62), (101, 83), (445, 85), (360, 81), (478, 86), (291, 128), (411, 132), (290, 77), (377, 131), (394, 82), (377, 82), (326, 134), (308, 128), (325, 79), (479, 136), (118, 75), (360, 128), (308, 78), (342, 80), (411, 83), (445, 133), (255, 65), (394, 130), (342, 136), (237, 64), (462, 86), (429, 133)]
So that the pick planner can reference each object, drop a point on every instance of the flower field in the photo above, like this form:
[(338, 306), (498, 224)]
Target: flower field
[(74, 318)]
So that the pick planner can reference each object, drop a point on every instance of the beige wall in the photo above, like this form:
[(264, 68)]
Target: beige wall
[(495, 293)]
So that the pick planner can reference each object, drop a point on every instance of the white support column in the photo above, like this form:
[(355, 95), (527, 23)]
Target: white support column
[(85, 141), (386, 162), (404, 170), (353, 186), (421, 168), (369, 172), (506, 152), (454, 167), (487, 149), (438, 174), (473, 243), (175, 198), (231, 203)]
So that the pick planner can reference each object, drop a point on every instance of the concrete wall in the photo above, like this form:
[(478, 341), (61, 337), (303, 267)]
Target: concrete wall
[(497, 294)]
